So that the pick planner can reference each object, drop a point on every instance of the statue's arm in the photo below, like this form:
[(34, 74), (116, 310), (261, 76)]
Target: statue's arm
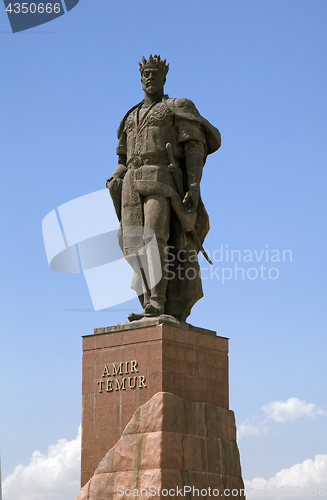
[(194, 161), (119, 172), (115, 181), (121, 168), (191, 136)]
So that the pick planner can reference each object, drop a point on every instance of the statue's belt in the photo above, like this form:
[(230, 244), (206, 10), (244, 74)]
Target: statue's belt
[(139, 161), (148, 187)]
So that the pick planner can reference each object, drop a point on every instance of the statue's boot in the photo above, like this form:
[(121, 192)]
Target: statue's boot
[(144, 299), (134, 316), (153, 309), (154, 306)]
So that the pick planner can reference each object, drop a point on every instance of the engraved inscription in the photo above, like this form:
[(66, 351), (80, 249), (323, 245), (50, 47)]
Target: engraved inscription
[(121, 383)]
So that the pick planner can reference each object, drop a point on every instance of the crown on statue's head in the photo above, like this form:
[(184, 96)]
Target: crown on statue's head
[(154, 61)]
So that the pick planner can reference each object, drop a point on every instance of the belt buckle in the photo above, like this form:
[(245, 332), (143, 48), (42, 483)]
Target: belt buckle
[(137, 162)]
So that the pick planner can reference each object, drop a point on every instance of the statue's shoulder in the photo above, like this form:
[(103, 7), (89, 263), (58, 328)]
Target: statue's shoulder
[(185, 108), (123, 120)]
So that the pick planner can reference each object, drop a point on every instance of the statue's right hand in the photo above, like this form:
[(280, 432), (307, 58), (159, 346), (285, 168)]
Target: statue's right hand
[(108, 181), (118, 173)]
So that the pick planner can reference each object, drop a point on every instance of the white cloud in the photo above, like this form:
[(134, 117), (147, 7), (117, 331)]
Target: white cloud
[(303, 480), (247, 429), (52, 477), (282, 411), (279, 411)]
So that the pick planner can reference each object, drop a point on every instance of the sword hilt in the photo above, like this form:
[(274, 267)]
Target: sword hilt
[(172, 160)]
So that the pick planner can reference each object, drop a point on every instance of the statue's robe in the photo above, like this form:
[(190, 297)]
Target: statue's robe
[(143, 141)]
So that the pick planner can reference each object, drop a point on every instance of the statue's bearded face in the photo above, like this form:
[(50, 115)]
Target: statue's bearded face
[(153, 80)]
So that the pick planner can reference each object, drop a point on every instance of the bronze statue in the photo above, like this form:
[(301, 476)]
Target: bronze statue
[(162, 148)]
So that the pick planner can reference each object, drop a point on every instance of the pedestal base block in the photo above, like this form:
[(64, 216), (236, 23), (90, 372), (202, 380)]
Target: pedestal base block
[(171, 443), (125, 365)]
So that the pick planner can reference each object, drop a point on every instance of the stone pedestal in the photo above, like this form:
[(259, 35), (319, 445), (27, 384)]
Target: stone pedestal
[(126, 365), (171, 447)]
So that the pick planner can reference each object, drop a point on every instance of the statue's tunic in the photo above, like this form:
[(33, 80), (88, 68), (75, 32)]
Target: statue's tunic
[(147, 137), (143, 140)]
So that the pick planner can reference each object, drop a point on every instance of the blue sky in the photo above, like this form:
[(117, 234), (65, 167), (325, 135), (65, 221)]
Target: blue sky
[(257, 71)]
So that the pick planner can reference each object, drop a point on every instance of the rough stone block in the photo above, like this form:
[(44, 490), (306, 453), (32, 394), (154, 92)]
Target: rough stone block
[(172, 450), (236, 484), (227, 419), (84, 493), (214, 456), (192, 451), (215, 482), (123, 481), (190, 455), (194, 418), (151, 450), (149, 477), (126, 454), (213, 420), (231, 458), (106, 464), (102, 486), (171, 478)]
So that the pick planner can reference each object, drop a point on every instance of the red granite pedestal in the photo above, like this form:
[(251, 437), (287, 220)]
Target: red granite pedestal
[(126, 365)]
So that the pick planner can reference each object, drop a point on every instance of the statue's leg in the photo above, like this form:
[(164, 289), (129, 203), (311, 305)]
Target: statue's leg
[(157, 218)]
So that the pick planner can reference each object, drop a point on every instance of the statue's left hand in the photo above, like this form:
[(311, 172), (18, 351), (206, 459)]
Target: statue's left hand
[(191, 200)]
